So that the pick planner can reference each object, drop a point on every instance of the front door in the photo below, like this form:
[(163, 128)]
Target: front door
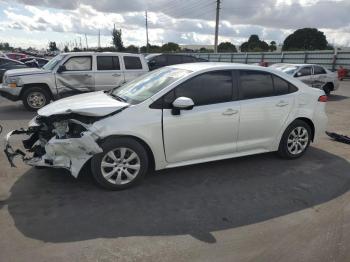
[(77, 78), (210, 128), (305, 75)]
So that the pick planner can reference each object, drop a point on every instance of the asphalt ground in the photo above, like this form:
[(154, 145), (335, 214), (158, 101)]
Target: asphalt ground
[(256, 208)]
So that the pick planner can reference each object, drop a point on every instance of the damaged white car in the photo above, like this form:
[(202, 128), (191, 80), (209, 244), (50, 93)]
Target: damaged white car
[(174, 116)]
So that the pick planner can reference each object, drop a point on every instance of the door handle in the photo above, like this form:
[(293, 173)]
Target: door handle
[(116, 74), (282, 103), (229, 112)]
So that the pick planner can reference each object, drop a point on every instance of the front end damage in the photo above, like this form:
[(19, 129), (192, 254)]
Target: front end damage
[(59, 141)]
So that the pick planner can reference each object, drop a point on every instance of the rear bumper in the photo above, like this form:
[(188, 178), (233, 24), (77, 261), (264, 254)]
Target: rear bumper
[(12, 94)]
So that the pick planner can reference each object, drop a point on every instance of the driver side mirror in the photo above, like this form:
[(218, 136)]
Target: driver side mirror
[(182, 103), (61, 69)]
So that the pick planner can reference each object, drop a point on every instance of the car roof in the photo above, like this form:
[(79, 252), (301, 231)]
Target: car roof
[(289, 64), (100, 53), (218, 65)]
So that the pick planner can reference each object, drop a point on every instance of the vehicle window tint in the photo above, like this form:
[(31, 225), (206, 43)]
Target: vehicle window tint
[(160, 60), (188, 59), (281, 86), (132, 62), (108, 63), (174, 59), (255, 84), (208, 88), (79, 63), (305, 71), (319, 70)]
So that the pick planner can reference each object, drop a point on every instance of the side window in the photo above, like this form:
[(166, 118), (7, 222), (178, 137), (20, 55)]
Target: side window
[(281, 86), (305, 71), (188, 59), (108, 63), (319, 70), (160, 60), (174, 59), (132, 62), (208, 88), (78, 63), (255, 84)]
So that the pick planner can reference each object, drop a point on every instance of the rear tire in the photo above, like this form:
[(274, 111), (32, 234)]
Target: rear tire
[(295, 140), (327, 89), (122, 164), (35, 98)]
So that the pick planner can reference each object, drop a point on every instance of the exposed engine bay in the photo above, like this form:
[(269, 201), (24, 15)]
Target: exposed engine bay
[(62, 141)]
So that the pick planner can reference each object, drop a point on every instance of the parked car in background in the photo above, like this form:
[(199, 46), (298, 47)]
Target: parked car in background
[(69, 74), (175, 116), (34, 61), (8, 64), (313, 75), (156, 61), (16, 56)]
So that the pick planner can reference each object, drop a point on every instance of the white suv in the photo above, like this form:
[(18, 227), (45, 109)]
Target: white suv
[(71, 73), (174, 116)]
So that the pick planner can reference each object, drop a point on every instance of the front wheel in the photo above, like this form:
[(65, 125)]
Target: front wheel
[(295, 140), (35, 98), (122, 164)]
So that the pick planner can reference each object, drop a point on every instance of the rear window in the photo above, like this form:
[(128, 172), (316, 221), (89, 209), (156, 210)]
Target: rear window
[(132, 62), (108, 63), (319, 70), (174, 59)]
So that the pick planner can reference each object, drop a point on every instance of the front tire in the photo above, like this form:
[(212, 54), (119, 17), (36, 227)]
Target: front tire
[(35, 98), (122, 164), (295, 140)]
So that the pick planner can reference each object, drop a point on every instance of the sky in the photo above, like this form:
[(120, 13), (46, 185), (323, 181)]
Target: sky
[(33, 23)]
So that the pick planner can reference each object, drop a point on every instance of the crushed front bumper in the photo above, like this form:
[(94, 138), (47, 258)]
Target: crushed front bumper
[(70, 153)]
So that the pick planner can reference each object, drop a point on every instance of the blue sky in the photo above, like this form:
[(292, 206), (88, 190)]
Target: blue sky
[(36, 22)]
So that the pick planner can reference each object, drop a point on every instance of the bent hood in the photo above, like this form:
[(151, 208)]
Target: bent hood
[(89, 104), (26, 71)]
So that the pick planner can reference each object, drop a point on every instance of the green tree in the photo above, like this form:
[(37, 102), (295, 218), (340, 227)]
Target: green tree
[(66, 49), (170, 47), (254, 44), (132, 49), (227, 47), (306, 39), (5, 46), (272, 46), (53, 46), (206, 50), (117, 39)]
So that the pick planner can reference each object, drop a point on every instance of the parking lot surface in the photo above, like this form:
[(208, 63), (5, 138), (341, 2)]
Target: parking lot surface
[(256, 208)]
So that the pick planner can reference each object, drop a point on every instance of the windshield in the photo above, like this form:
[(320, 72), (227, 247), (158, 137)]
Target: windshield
[(53, 62), (147, 85), (288, 69)]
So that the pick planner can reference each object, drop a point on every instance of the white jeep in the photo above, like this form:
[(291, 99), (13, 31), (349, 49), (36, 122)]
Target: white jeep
[(71, 73)]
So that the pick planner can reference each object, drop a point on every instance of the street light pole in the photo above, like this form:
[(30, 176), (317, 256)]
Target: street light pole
[(217, 25), (147, 45)]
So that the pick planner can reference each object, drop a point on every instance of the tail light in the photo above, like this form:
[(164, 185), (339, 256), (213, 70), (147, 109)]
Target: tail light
[(323, 98)]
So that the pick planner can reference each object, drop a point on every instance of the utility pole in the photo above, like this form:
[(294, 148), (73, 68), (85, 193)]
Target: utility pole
[(86, 42), (99, 39), (217, 25), (147, 44)]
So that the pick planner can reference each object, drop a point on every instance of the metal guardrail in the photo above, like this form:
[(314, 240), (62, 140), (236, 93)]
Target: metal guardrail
[(329, 59)]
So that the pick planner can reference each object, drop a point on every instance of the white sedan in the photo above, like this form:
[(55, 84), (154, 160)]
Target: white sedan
[(174, 116), (313, 75)]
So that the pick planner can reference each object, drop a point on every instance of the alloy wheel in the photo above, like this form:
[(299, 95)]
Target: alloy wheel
[(298, 140)]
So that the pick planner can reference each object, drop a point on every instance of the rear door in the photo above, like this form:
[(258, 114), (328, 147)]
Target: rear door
[(108, 73), (305, 75), (133, 67), (77, 78), (211, 127), (265, 105), (320, 76)]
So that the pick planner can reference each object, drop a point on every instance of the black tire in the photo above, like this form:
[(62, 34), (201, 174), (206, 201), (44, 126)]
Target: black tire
[(42, 92), (283, 150), (327, 89), (112, 144)]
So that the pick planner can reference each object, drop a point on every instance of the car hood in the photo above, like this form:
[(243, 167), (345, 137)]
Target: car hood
[(26, 71), (89, 104)]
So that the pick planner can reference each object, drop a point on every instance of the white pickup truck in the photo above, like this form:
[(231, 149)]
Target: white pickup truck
[(71, 73)]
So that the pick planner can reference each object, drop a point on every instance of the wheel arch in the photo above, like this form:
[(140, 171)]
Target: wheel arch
[(148, 149), (310, 124), (41, 85)]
